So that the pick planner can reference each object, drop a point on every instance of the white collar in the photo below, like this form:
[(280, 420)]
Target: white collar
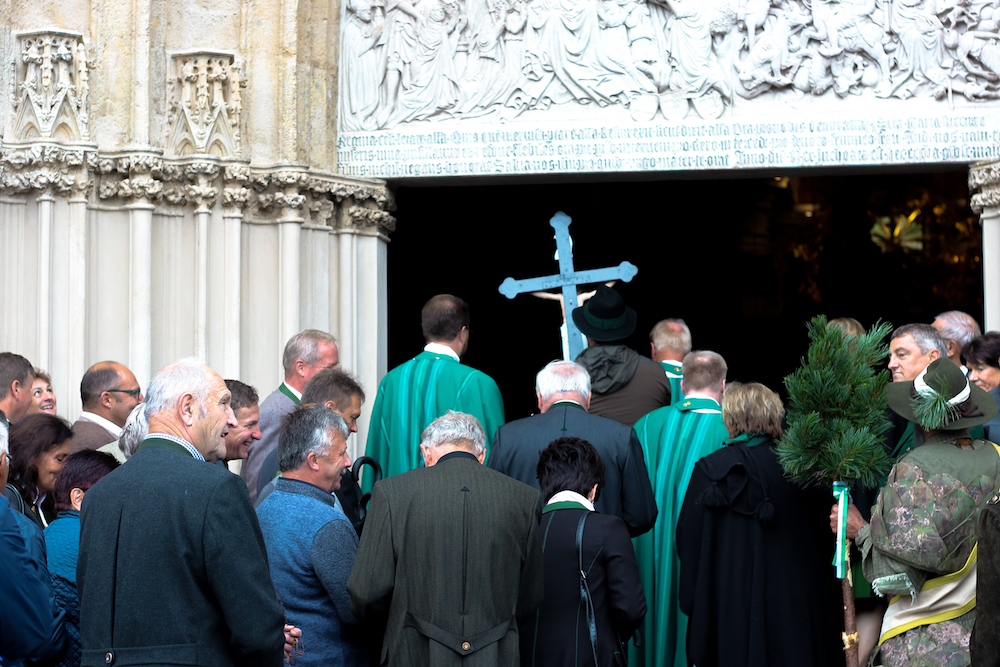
[(109, 426), (704, 396), (440, 348), (572, 497), (296, 392)]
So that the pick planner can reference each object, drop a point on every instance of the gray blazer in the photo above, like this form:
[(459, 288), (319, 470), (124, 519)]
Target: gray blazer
[(449, 562), (273, 408), (626, 493)]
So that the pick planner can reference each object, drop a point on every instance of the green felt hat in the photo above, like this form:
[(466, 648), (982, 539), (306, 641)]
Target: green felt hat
[(941, 397), (605, 316)]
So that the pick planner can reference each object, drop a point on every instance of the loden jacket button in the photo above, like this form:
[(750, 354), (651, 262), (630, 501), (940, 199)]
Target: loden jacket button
[(466, 646), (108, 657)]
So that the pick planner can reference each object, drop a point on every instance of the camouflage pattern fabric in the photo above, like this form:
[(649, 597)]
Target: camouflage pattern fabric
[(944, 644), (923, 526)]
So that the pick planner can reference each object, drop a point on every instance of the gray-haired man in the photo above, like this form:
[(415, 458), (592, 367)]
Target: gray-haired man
[(957, 329), (310, 542), (306, 354), (450, 560), (562, 389)]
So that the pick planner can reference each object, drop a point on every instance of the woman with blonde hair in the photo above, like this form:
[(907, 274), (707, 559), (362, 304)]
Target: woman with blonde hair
[(756, 581)]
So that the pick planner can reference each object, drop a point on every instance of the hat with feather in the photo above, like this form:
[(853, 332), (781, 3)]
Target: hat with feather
[(941, 398)]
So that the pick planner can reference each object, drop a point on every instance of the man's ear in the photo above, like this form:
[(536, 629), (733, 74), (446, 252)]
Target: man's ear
[(312, 460), (107, 399), (300, 367), (188, 408), (934, 354)]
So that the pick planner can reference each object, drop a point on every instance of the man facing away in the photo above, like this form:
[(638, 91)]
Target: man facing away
[(16, 376), (310, 541), (419, 391), (669, 341), (956, 329), (306, 353), (164, 537), (451, 557), (109, 392), (673, 439), (626, 385), (562, 389)]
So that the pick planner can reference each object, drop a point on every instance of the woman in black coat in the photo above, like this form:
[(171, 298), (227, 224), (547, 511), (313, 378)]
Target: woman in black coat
[(570, 473), (756, 580)]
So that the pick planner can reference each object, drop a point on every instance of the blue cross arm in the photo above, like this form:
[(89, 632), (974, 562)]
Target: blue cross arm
[(624, 272)]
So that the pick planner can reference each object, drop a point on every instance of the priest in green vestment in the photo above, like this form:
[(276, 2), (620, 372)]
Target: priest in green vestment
[(424, 388), (669, 341), (673, 439)]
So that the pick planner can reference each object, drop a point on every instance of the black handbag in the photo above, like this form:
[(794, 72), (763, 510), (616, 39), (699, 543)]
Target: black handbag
[(621, 652)]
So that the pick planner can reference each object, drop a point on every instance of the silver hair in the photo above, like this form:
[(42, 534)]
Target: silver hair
[(677, 337), (187, 376), (959, 327), (306, 430), (305, 346), (703, 370), (562, 376), (925, 336), (134, 432), (455, 428)]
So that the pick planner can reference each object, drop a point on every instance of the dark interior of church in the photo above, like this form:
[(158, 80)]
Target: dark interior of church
[(745, 262)]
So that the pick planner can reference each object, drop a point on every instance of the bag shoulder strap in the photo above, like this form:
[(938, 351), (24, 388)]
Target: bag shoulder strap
[(585, 597)]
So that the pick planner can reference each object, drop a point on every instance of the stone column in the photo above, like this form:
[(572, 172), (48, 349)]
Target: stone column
[(46, 213), (203, 194), (984, 183), (235, 195), (140, 189), (68, 321), (289, 249), (364, 299)]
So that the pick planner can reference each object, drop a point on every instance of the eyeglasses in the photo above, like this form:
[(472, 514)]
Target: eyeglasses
[(133, 392)]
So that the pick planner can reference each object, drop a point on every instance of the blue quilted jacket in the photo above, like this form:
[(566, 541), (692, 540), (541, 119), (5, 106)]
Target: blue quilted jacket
[(62, 542)]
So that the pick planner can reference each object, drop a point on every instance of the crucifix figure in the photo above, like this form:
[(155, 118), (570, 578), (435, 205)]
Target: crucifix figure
[(567, 279)]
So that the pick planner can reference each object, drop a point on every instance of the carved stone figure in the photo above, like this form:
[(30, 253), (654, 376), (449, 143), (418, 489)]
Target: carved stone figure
[(400, 50), (434, 85), (359, 96)]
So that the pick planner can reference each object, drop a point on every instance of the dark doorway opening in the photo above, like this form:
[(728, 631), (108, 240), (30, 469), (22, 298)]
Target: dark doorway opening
[(745, 262)]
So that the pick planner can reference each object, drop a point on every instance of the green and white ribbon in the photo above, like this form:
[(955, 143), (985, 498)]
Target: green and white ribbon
[(840, 557)]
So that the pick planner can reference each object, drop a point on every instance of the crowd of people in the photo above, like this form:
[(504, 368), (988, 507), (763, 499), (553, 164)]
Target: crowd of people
[(641, 517)]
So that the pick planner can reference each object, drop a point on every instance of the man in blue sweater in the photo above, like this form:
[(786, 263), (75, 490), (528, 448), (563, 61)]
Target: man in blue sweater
[(311, 543)]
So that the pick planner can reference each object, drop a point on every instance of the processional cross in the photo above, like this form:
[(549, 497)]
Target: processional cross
[(567, 279)]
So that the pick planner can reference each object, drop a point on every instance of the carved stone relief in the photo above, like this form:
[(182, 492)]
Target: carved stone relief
[(51, 87), (204, 104), (405, 61)]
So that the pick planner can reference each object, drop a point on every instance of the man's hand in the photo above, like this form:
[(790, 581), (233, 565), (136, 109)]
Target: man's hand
[(854, 521), (293, 643)]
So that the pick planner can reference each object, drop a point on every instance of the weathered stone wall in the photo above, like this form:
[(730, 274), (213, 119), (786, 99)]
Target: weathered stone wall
[(168, 189)]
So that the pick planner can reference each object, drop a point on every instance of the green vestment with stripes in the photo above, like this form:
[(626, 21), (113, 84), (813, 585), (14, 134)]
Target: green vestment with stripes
[(675, 374), (414, 394), (673, 439)]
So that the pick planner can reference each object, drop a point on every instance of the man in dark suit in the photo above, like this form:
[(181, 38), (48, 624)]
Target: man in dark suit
[(109, 392), (563, 392), (450, 560), (172, 564)]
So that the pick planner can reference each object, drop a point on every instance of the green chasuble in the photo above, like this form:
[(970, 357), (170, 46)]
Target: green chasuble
[(673, 439), (673, 369), (414, 394)]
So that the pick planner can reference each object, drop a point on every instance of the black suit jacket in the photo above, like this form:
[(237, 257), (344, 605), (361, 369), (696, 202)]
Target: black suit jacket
[(626, 493), (450, 560), (559, 635), (173, 568)]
